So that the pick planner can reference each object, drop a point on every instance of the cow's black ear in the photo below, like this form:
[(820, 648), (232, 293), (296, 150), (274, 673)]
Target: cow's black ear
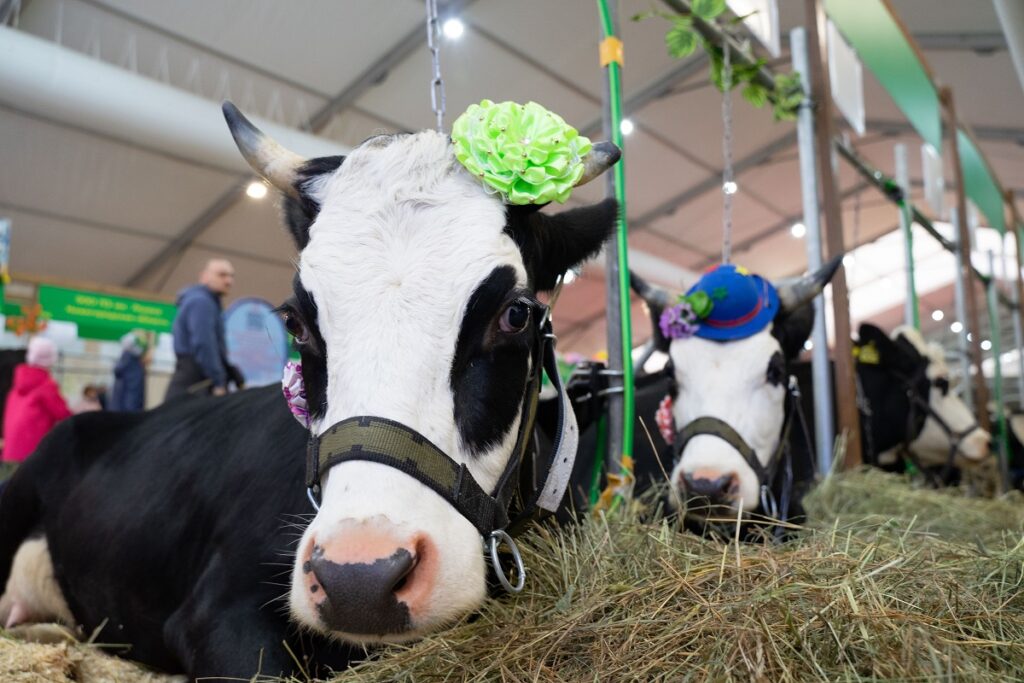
[(901, 357), (554, 243), (793, 328), (300, 212)]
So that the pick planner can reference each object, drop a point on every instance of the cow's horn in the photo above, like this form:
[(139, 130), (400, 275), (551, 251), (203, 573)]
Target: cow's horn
[(657, 300), (600, 158), (796, 291), (277, 165)]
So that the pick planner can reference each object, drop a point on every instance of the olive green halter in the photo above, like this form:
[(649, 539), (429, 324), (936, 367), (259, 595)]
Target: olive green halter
[(390, 443)]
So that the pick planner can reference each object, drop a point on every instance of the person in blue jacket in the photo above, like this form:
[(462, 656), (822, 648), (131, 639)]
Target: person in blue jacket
[(129, 392), (202, 365)]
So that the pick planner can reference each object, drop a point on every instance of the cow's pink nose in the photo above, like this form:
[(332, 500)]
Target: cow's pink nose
[(717, 487), (367, 580)]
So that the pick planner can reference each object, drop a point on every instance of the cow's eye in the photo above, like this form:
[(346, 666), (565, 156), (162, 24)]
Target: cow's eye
[(942, 384), (515, 318), (776, 369), (296, 328)]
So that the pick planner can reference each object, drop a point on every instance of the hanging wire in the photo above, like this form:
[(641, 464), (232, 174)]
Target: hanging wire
[(437, 100), (728, 184)]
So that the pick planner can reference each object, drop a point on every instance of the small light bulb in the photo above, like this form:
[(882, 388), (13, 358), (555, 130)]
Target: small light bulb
[(938, 315), (808, 345), (730, 187), (626, 126), (986, 345), (798, 230), (256, 190), (957, 327), (453, 29)]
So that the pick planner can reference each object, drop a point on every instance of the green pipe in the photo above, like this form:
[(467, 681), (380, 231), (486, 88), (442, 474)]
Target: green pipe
[(614, 70)]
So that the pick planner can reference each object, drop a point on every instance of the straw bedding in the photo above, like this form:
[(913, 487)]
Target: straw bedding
[(886, 581)]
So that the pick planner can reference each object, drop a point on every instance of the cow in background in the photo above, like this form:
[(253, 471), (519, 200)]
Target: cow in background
[(907, 410), (744, 383), (185, 533)]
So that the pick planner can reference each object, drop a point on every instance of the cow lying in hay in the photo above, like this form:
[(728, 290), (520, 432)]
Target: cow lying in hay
[(174, 531), (728, 435)]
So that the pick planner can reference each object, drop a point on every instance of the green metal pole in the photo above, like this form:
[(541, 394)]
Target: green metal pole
[(613, 118)]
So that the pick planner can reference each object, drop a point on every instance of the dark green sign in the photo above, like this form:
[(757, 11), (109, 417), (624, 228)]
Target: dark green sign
[(979, 183), (883, 48), (104, 316)]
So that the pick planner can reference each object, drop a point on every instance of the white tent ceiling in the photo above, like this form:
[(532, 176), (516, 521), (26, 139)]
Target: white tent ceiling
[(97, 208)]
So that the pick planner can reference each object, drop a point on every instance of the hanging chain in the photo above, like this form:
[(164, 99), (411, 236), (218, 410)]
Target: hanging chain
[(436, 82), (728, 184)]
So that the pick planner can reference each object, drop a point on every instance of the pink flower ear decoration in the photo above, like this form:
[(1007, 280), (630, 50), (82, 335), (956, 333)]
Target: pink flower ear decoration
[(295, 392), (666, 423)]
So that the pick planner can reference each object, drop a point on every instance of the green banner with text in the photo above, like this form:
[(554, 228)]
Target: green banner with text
[(104, 316)]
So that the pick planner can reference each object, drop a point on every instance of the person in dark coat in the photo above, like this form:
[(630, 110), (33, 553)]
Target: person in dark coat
[(202, 366), (129, 393)]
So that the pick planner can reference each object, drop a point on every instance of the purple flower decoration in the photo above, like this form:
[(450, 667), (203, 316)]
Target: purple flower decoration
[(679, 321), (295, 392)]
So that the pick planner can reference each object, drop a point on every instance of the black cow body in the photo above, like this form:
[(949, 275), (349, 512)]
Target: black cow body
[(169, 530)]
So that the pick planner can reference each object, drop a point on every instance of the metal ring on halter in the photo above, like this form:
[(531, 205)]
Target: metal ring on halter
[(497, 537), (771, 510), (312, 498)]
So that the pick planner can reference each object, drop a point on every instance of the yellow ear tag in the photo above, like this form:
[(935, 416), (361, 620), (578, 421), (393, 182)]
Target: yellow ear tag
[(867, 354)]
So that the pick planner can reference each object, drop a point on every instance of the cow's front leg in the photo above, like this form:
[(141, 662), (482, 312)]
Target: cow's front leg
[(224, 630)]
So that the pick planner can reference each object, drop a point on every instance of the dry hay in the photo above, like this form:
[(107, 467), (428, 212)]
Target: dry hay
[(886, 582), (47, 653)]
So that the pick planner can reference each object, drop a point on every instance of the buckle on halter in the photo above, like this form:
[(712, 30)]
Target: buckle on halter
[(496, 538), (769, 505)]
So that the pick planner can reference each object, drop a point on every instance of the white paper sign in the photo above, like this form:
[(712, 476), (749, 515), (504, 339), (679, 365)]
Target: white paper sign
[(932, 177), (762, 20), (847, 76)]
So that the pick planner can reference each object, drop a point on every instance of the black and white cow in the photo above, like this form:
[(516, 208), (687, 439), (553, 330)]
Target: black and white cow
[(743, 383), (185, 532), (907, 408)]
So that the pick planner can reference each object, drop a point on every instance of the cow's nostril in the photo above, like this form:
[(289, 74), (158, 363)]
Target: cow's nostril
[(716, 489), (360, 596)]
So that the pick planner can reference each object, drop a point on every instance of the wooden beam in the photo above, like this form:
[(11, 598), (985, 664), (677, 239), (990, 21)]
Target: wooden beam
[(964, 261), (821, 96)]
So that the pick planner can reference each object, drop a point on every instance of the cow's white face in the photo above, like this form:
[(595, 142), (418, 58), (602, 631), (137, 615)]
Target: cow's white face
[(741, 382), (413, 302), (932, 445), (402, 242)]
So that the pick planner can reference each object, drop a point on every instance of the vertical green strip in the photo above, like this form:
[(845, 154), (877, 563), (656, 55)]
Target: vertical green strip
[(908, 236), (615, 90)]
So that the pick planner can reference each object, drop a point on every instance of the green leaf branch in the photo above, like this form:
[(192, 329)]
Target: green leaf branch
[(682, 39)]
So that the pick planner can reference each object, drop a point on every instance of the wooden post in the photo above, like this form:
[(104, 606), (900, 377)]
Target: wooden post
[(973, 322), (821, 96)]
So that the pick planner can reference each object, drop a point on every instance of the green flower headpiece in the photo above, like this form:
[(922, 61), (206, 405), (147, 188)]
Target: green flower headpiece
[(525, 152)]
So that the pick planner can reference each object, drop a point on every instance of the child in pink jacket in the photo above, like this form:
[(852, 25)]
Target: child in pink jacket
[(34, 403)]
